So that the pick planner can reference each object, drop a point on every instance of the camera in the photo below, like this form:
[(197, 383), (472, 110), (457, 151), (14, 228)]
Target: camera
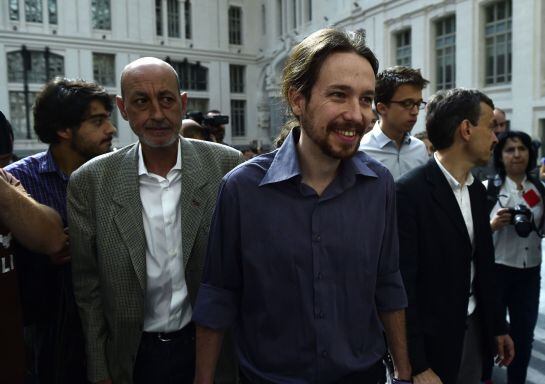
[(521, 218), (211, 121)]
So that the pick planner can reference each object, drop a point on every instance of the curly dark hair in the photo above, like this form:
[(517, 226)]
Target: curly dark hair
[(502, 141), (63, 103), (390, 79)]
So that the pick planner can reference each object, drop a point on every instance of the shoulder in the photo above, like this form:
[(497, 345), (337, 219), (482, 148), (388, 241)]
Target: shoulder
[(107, 163), (26, 166), (413, 180), (250, 172)]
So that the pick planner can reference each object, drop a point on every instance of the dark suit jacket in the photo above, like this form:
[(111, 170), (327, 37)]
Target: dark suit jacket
[(435, 261)]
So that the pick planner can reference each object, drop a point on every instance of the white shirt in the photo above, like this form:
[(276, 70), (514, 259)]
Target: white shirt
[(461, 193), (399, 161), (511, 249), (167, 306)]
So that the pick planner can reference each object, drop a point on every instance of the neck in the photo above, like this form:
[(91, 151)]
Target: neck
[(66, 158), (518, 179), (392, 134), (458, 166), (317, 168), (160, 160)]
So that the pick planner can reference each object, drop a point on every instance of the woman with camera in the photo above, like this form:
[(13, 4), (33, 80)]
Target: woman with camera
[(516, 217)]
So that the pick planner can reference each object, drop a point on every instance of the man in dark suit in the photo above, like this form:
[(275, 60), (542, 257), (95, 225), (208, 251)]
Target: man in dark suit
[(446, 251)]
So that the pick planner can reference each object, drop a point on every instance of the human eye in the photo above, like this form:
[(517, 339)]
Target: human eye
[(367, 100), (337, 94), (409, 104)]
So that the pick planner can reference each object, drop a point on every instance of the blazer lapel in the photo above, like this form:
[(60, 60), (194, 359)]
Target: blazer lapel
[(444, 197), (129, 214), (193, 179)]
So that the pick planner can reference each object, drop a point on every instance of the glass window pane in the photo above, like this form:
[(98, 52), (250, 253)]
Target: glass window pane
[(52, 11), (18, 114), (238, 113), (235, 25), (101, 14), (14, 9), (104, 69), (173, 17), (158, 18), (498, 42), (187, 19), (33, 11)]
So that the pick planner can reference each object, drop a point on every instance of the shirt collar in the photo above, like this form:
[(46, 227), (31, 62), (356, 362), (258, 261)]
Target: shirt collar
[(46, 164), (143, 170), (510, 185), (285, 164), (454, 184), (382, 140)]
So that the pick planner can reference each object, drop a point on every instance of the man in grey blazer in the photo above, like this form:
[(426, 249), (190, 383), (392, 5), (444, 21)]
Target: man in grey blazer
[(139, 220)]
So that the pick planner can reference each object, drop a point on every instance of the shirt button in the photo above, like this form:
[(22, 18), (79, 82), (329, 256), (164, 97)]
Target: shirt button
[(321, 315), (324, 353), (317, 238), (320, 276)]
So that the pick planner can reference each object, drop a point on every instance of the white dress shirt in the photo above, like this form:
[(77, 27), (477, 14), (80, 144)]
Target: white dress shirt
[(167, 306), (399, 161), (511, 249), (461, 193)]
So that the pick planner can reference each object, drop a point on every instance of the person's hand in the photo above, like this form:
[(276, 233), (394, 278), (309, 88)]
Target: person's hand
[(506, 350), (427, 377), (63, 256), (500, 219)]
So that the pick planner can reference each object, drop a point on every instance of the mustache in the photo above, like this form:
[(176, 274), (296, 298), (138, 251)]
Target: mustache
[(157, 126)]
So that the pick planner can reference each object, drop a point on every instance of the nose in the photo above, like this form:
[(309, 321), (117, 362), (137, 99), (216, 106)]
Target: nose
[(110, 128), (415, 109), (354, 112), (156, 110)]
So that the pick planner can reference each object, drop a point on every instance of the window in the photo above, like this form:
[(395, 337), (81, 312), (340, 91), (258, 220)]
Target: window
[(18, 113), (43, 66), (192, 76), (52, 11), (33, 11), (294, 13), (403, 48), (236, 73), (445, 52), (104, 69), (238, 114), (101, 14), (187, 19), (14, 10), (498, 43), (173, 17), (235, 25), (263, 19), (309, 10), (159, 17), (197, 105)]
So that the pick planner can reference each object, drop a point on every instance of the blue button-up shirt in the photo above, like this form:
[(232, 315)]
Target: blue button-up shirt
[(302, 277), (43, 180)]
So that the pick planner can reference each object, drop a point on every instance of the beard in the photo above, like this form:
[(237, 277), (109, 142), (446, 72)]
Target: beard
[(322, 137), (86, 149)]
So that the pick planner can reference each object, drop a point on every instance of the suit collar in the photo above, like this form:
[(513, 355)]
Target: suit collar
[(444, 196)]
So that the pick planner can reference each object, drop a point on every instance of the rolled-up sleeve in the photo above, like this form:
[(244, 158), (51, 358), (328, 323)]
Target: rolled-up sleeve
[(218, 298), (390, 293)]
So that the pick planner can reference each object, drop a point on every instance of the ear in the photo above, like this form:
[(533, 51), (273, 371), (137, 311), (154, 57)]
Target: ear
[(381, 108), (465, 130), (65, 133), (121, 106), (183, 97), (297, 101)]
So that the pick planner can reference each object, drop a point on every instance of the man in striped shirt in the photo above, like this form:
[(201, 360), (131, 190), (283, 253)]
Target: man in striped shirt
[(73, 117)]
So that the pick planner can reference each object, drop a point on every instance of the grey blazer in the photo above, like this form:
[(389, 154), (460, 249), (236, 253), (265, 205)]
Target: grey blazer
[(108, 246)]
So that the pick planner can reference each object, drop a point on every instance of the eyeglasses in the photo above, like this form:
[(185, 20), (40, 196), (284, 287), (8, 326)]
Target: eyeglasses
[(409, 104)]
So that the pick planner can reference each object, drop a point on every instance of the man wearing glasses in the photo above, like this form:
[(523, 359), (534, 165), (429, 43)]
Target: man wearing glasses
[(73, 118), (398, 100)]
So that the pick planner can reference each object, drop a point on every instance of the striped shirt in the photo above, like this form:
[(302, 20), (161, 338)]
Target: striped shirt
[(43, 180)]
